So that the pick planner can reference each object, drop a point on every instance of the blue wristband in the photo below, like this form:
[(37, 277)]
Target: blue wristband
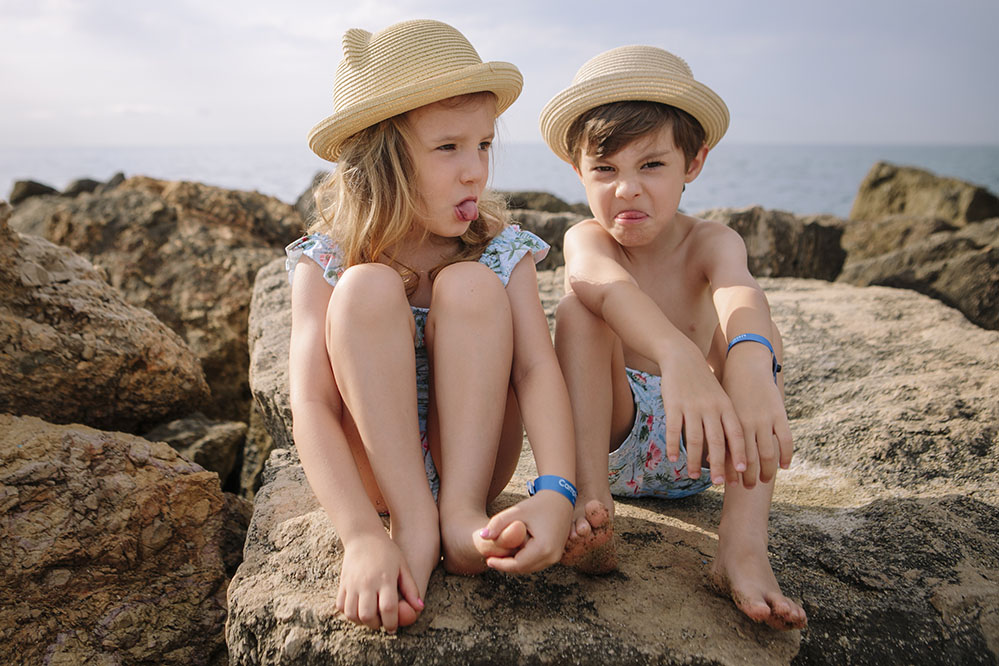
[(752, 337), (552, 482)]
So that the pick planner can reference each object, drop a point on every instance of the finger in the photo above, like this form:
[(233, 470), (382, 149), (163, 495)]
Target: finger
[(674, 428), (768, 455), (350, 608), (731, 473), (527, 560), (735, 440), (409, 590), (341, 597), (367, 609), (752, 473), (783, 432), (388, 609), (500, 522), (716, 450), (694, 441)]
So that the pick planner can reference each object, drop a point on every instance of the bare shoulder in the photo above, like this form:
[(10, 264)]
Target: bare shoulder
[(713, 241)]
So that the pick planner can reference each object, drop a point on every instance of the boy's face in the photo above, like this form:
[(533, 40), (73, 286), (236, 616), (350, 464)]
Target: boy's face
[(635, 193)]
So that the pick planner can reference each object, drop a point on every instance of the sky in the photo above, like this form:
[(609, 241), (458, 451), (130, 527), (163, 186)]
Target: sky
[(227, 72)]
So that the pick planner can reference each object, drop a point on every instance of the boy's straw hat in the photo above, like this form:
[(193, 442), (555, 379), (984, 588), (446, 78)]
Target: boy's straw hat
[(403, 67), (632, 73)]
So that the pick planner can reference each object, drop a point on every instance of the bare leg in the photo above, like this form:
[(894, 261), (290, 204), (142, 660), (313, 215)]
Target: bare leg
[(602, 411), (742, 567), (470, 338), (370, 342)]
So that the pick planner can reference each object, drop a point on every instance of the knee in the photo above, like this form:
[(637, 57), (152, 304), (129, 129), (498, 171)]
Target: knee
[(573, 318), (470, 287), (367, 292)]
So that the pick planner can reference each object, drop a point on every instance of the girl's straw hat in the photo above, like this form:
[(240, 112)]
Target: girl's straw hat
[(632, 73), (403, 67)]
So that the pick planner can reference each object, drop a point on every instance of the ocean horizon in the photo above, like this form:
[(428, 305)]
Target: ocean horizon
[(802, 179)]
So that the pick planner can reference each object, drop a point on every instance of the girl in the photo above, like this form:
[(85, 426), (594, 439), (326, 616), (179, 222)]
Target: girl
[(418, 338)]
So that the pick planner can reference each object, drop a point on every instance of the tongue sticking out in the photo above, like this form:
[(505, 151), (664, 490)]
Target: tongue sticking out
[(467, 210)]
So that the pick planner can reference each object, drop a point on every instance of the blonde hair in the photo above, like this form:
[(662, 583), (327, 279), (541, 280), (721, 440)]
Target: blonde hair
[(370, 202)]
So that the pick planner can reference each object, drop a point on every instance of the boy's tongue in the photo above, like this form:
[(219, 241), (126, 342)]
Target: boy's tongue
[(467, 210)]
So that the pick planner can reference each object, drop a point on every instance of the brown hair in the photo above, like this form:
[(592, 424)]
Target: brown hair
[(606, 129), (370, 202)]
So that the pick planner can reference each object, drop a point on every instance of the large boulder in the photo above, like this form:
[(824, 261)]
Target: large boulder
[(75, 352), (957, 267), (185, 251), (885, 527), (781, 244), (551, 228), (113, 549), (890, 190)]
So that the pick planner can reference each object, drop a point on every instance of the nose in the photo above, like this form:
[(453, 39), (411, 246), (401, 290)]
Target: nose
[(626, 187), (475, 167)]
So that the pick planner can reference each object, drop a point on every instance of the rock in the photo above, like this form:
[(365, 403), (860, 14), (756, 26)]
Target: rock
[(867, 239), (543, 202), (81, 186), (885, 526), (269, 341), (551, 227), (781, 244), (214, 445), (185, 251), (113, 549), (959, 268), (898, 190), (26, 189), (75, 351)]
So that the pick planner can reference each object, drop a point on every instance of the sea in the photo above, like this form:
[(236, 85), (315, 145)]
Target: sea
[(802, 179)]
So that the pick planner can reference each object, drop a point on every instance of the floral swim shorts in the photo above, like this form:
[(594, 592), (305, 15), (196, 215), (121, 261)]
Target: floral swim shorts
[(639, 467)]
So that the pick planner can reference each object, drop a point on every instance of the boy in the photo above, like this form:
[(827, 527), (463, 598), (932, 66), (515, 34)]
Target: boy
[(664, 338)]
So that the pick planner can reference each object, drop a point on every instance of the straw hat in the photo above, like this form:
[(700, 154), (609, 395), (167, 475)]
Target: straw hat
[(632, 73), (403, 67)]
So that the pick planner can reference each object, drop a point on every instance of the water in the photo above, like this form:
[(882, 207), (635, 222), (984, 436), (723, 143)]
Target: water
[(800, 179)]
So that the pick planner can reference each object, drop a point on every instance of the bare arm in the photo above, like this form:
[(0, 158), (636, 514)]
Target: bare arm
[(748, 372), (693, 399)]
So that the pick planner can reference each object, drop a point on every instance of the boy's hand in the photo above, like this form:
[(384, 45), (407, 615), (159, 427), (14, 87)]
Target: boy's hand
[(697, 406), (761, 412), (548, 517), (373, 575)]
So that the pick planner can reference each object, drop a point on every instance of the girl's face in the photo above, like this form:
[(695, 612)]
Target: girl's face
[(449, 142)]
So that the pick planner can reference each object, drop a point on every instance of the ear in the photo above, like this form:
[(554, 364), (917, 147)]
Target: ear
[(696, 165)]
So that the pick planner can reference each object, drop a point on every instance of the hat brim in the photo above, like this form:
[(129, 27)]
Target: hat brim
[(689, 95), (501, 78)]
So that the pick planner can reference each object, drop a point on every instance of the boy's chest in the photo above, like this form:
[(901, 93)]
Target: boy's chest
[(686, 301)]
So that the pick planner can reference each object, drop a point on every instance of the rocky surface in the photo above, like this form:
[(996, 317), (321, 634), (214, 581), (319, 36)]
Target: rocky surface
[(185, 251), (890, 189), (114, 550), (75, 352), (885, 527), (215, 445), (781, 244)]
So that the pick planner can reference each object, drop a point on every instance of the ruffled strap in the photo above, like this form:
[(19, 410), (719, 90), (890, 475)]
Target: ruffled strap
[(506, 250), (320, 249)]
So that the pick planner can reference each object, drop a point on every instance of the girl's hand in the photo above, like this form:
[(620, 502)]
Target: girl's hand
[(548, 518), (373, 575)]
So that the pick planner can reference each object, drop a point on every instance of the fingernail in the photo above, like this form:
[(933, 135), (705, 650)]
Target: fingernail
[(484, 533), (741, 467), (718, 480), (673, 458), (420, 602)]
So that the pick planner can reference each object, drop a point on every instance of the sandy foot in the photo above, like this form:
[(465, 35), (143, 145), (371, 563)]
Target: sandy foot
[(592, 551)]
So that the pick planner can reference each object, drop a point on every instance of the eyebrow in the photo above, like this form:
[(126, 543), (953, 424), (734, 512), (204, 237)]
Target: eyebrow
[(454, 138)]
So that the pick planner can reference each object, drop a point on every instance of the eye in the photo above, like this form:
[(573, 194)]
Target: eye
[(447, 147), (485, 145), (603, 169), (652, 165)]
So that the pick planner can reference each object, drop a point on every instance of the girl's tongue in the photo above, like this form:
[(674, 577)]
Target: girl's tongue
[(467, 210)]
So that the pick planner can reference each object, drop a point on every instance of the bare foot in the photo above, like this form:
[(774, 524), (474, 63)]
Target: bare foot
[(748, 578), (465, 551), (421, 549), (590, 548)]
